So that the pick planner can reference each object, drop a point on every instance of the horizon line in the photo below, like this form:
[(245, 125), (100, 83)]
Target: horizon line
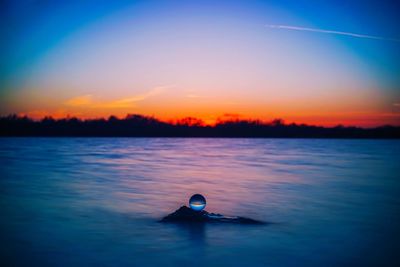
[(201, 122)]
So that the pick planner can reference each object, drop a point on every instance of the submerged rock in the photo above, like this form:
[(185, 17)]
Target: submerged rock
[(188, 215)]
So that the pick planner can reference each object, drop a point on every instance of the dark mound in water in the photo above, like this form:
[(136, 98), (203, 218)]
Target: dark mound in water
[(187, 215)]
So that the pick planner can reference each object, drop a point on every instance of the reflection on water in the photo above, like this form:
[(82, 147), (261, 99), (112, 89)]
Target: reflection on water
[(97, 201)]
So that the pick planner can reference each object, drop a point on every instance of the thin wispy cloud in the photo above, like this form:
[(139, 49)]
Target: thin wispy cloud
[(351, 34), (79, 101), (88, 101), (131, 101)]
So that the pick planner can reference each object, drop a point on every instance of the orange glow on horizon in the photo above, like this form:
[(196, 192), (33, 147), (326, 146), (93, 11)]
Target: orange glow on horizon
[(328, 120), (171, 103)]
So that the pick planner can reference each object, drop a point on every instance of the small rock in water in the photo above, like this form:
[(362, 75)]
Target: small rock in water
[(188, 215), (196, 214)]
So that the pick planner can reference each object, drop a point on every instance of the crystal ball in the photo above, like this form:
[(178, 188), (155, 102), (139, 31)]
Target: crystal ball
[(197, 202)]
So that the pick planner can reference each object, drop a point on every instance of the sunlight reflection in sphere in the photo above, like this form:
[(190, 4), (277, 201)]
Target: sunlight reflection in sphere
[(197, 202)]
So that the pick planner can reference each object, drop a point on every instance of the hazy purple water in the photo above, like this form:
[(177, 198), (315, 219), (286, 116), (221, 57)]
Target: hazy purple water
[(96, 202)]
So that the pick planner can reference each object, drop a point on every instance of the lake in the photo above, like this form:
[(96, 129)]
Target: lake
[(98, 201)]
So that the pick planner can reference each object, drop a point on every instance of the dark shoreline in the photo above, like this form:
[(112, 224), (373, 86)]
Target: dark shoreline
[(141, 126)]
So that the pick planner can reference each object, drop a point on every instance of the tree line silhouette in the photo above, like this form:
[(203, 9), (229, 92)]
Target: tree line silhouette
[(134, 125)]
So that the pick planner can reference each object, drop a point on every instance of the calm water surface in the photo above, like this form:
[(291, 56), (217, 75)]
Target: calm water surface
[(97, 201)]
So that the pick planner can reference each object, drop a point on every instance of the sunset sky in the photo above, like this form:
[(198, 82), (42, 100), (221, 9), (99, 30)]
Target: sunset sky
[(315, 62)]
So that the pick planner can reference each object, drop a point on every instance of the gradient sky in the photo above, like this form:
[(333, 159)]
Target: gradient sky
[(316, 62)]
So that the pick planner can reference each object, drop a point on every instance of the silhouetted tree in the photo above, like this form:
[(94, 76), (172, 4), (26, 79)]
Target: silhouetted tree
[(190, 121)]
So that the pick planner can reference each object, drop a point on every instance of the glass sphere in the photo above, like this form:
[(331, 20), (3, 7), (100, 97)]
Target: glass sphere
[(197, 202)]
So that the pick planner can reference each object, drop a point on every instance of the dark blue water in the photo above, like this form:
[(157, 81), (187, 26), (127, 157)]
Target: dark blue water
[(97, 201)]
